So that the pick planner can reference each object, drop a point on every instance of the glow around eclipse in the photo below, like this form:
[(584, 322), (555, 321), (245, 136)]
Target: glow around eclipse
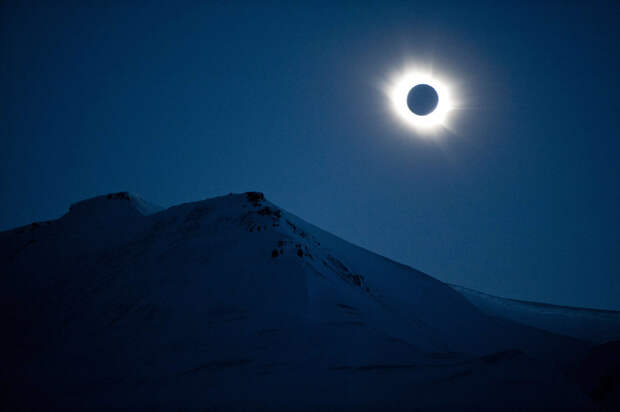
[(398, 89)]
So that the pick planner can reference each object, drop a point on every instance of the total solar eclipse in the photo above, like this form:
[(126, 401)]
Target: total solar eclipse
[(422, 99)]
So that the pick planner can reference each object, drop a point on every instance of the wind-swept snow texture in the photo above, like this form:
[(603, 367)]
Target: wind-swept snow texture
[(234, 303)]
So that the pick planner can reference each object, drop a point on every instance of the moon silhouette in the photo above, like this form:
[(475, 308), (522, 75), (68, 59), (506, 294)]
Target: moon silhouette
[(422, 99)]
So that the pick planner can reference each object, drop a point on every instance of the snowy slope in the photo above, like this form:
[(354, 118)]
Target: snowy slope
[(234, 302), (597, 326)]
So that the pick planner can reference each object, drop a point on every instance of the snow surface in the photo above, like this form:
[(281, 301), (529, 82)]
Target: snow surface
[(235, 303), (593, 325)]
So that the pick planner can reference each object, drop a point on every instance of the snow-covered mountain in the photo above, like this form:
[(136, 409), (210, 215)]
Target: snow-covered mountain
[(234, 303)]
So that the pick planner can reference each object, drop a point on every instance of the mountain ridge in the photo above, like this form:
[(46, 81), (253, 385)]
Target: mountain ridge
[(593, 325)]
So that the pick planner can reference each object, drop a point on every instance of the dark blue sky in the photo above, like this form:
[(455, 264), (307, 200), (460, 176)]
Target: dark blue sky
[(179, 103)]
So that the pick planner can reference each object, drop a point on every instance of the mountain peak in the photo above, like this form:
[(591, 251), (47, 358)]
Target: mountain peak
[(117, 204)]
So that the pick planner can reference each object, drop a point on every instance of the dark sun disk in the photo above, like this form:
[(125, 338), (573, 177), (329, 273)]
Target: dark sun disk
[(422, 99)]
